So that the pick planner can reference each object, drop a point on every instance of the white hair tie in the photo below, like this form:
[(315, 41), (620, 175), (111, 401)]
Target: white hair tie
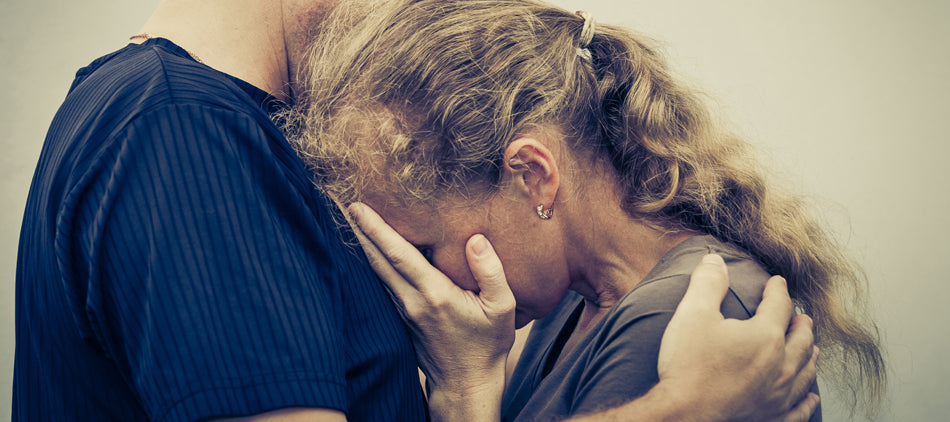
[(587, 35)]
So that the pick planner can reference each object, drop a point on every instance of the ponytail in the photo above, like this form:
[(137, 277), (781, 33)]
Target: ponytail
[(680, 171), (441, 87)]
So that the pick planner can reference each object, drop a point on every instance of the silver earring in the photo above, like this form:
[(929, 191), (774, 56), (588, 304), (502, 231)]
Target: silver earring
[(545, 215)]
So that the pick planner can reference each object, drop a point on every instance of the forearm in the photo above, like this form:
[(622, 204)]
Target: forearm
[(660, 404)]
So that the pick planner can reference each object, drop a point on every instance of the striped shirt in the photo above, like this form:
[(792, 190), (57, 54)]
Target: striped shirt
[(175, 262)]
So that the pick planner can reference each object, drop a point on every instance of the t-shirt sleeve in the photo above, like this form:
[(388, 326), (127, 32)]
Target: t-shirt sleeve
[(208, 281), (623, 367)]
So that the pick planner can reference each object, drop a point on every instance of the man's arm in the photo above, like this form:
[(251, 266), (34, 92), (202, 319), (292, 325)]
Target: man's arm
[(463, 337), (717, 369), (201, 234), (294, 414)]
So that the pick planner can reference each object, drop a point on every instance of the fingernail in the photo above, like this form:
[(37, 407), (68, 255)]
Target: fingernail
[(713, 259), (479, 245), (354, 211)]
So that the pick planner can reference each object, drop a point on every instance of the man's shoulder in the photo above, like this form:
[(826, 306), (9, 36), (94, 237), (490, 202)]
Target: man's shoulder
[(156, 89), (141, 78)]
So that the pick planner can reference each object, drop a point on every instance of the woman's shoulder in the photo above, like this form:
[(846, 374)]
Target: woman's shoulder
[(663, 288)]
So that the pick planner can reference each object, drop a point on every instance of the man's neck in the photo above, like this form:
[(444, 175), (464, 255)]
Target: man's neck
[(246, 39)]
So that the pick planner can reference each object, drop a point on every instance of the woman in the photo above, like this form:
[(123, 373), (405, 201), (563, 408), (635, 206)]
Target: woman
[(600, 179)]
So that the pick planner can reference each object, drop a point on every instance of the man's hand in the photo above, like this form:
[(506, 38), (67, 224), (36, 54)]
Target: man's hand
[(711, 368), (461, 338), (759, 369)]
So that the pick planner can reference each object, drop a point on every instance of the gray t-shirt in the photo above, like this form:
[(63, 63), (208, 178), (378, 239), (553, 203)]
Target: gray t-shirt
[(616, 361)]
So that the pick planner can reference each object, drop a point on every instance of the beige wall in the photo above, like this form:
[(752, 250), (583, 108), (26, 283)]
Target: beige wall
[(847, 100)]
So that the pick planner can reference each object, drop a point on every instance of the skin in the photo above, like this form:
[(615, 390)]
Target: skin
[(261, 42), (441, 233), (768, 369), (592, 246)]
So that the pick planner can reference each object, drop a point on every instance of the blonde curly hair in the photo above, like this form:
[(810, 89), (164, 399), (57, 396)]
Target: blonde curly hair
[(424, 96)]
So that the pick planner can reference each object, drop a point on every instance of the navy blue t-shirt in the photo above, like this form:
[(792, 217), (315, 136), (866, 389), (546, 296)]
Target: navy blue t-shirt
[(175, 262)]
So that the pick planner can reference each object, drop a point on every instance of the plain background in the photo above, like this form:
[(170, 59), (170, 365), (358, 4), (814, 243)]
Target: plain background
[(846, 100)]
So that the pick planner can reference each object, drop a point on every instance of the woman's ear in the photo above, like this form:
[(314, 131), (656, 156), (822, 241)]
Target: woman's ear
[(531, 170)]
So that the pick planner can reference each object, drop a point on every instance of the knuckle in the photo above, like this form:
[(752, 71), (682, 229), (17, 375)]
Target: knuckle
[(396, 258), (510, 304), (415, 313), (806, 319), (801, 415), (787, 375), (772, 343), (439, 302), (776, 337), (502, 309)]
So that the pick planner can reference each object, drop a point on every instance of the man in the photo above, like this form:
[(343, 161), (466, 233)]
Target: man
[(176, 264)]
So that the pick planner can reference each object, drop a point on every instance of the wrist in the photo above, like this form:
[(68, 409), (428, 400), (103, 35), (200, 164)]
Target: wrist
[(672, 403), (475, 405), (470, 398)]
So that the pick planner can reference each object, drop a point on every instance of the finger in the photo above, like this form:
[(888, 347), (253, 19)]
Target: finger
[(804, 409), (805, 379), (707, 286), (799, 340), (399, 254), (489, 275), (399, 289), (776, 308)]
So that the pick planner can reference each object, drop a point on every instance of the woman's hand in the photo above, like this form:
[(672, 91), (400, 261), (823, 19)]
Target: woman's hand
[(462, 338), (711, 368)]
